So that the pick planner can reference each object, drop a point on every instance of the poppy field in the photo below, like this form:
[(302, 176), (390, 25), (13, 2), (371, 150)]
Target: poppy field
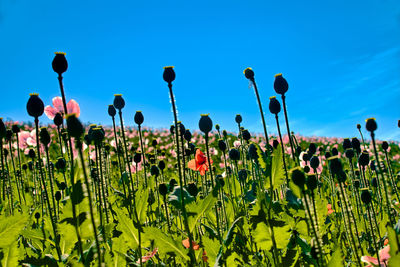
[(73, 194)]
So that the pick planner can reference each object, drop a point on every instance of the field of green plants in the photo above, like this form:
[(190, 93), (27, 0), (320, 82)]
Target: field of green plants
[(90, 195)]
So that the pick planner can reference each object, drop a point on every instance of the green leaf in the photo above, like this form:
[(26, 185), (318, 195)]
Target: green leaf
[(165, 243), (229, 235), (35, 234), (199, 209), (337, 258), (126, 226), (141, 197), (212, 248), (10, 255), (175, 197), (10, 228), (394, 260), (277, 170)]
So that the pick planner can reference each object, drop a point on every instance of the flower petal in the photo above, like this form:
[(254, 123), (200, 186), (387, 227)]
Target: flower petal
[(50, 112), (73, 107), (58, 104)]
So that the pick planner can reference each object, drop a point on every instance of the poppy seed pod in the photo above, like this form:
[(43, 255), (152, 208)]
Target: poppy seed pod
[(62, 186), (74, 126), (37, 215), (298, 178), (9, 134), (312, 182), (281, 86), (58, 119), (249, 74), (314, 162), (32, 153), (366, 196), (161, 165), (253, 152), (187, 135), (306, 169), (154, 143), (58, 195), (205, 123), (172, 184), (275, 143), (154, 170), (137, 158), (335, 165), (242, 175), (111, 110), (363, 159), (312, 148), (221, 145), (217, 127), (341, 176), (3, 129), (225, 133), (59, 64), (346, 143), (139, 118), (355, 143), (163, 189), (328, 154), (119, 102), (181, 128), (169, 74), (35, 106), (246, 135), (372, 165), (234, 154), (61, 164), (358, 126), (238, 118), (298, 150), (192, 189), (97, 135), (371, 125), (334, 151), (357, 183), (274, 105), (172, 129), (385, 145), (44, 136), (15, 128), (374, 182), (5, 151), (349, 153)]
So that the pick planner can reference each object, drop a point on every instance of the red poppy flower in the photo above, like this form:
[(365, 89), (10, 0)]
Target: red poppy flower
[(200, 163), (186, 243), (148, 256)]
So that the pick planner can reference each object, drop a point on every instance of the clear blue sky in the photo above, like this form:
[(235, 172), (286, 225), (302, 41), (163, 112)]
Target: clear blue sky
[(341, 59)]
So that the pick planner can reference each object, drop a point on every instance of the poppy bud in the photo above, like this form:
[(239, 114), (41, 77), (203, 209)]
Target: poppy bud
[(9, 134), (358, 126), (349, 153), (97, 135), (363, 159), (61, 164), (181, 128), (74, 126), (312, 182), (37, 215), (15, 128), (274, 105), (35, 106), (281, 86), (187, 135), (137, 158), (385, 145), (246, 135), (306, 169), (119, 102), (334, 151), (234, 154), (221, 145), (298, 178), (371, 125), (314, 162), (58, 195), (44, 136), (58, 119), (154, 170), (60, 64), (169, 74), (205, 123), (32, 153), (192, 189), (111, 110), (374, 182), (355, 143), (242, 175), (366, 196), (163, 189), (139, 118), (357, 183), (238, 118), (217, 127), (346, 143), (312, 148), (249, 74), (225, 133), (275, 143)]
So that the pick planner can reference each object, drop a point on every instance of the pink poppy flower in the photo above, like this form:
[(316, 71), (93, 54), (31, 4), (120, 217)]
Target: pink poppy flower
[(72, 107), (148, 256), (383, 256)]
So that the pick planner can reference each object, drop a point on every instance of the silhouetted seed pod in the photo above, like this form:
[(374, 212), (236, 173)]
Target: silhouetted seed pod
[(35, 106), (24, 166), (98, 135), (298, 150), (119, 102), (225, 133), (358, 126), (355, 143), (253, 152), (312, 182), (217, 127), (154, 170), (306, 169), (372, 165), (163, 189), (371, 125), (112, 111), (234, 154), (74, 126), (44, 136), (15, 128), (61, 164), (249, 74), (137, 158), (346, 143), (161, 165), (58, 195), (205, 123), (169, 74), (181, 128), (242, 175), (154, 142), (188, 152), (32, 153), (281, 86), (37, 215), (172, 129), (298, 178), (275, 143), (62, 186), (220, 181), (357, 172), (349, 153), (398, 123), (274, 105), (306, 157), (139, 118), (341, 176), (187, 135), (221, 145), (238, 118), (172, 184), (335, 165), (9, 134), (58, 119), (59, 64), (107, 148), (30, 163), (5, 151), (327, 154), (363, 159), (192, 147), (192, 189), (374, 182), (334, 151), (246, 135), (366, 196), (385, 145), (357, 183), (312, 148), (314, 162)]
